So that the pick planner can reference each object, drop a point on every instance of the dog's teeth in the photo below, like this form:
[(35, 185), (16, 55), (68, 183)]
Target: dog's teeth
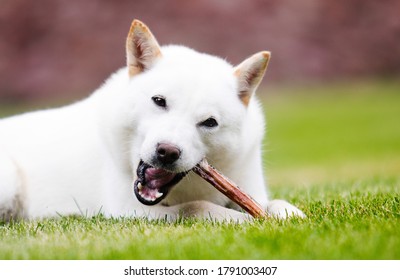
[(158, 195), (146, 196)]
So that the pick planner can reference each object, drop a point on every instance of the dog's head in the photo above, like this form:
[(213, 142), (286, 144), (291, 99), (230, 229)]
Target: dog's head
[(188, 106)]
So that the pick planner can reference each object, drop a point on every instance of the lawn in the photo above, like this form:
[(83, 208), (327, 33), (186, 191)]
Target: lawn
[(334, 151)]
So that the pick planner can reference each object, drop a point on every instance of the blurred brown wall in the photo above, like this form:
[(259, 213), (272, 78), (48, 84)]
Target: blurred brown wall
[(62, 47)]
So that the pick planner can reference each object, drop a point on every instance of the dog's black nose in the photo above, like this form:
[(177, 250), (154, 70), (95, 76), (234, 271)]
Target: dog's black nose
[(167, 153)]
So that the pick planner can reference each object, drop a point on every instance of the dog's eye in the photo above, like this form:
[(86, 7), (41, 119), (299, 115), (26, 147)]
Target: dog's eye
[(159, 101), (209, 123)]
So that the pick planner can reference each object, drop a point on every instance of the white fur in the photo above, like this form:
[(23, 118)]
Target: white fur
[(82, 158)]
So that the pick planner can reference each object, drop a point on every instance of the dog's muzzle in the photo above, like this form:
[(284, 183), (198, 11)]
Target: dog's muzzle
[(153, 184)]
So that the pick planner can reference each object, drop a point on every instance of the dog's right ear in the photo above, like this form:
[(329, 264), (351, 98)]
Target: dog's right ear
[(142, 49)]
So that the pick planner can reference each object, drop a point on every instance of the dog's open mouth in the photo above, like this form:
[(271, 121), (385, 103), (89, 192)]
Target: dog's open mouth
[(153, 184)]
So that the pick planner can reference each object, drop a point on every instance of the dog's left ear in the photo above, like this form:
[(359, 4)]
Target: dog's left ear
[(142, 49), (249, 74)]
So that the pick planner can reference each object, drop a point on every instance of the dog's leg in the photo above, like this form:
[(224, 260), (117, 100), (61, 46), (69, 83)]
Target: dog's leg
[(282, 209), (202, 210), (10, 197), (208, 210)]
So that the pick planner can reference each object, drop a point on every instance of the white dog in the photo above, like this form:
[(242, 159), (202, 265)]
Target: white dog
[(128, 149)]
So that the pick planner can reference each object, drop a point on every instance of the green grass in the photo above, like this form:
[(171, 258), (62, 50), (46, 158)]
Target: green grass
[(334, 151), (333, 132)]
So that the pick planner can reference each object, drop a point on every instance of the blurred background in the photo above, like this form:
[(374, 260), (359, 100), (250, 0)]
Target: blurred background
[(64, 47), (331, 91)]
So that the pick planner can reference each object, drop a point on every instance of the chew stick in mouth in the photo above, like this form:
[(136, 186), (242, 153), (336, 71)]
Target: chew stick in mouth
[(228, 188)]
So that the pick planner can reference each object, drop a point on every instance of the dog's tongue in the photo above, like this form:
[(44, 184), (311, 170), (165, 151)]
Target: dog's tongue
[(156, 177)]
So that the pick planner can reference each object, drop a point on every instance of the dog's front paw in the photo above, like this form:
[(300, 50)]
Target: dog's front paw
[(281, 209)]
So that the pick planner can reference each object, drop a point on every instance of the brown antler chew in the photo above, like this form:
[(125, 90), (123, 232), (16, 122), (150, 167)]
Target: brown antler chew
[(228, 188)]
